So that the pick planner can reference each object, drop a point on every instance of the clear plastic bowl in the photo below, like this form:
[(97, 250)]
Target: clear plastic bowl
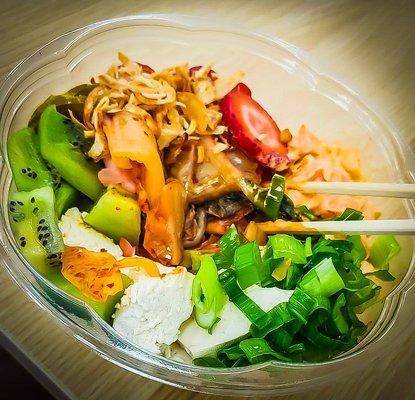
[(294, 89)]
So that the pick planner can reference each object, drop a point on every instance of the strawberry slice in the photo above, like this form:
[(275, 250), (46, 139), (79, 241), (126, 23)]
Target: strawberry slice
[(253, 129)]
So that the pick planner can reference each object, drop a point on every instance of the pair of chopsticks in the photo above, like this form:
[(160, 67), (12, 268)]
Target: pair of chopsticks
[(364, 227)]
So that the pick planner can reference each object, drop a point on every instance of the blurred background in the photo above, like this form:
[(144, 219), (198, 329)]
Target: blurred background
[(369, 44)]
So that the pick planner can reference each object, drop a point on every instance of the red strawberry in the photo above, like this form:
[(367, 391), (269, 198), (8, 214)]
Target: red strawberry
[(253, 130)]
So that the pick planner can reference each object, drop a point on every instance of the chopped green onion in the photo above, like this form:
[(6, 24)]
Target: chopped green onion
[(252, 311), (211, 362), (358, 252), (383, 249), (233, 353), (281, 270), (228, 244), (192, 259), (286, 246), (249, 267), (207, 294), (279, 316), (287, 209), (268, 200), (294, 275), (300, 305), (281, 339), (322, 280), (382, 274), (364, 295), (304, 210), (307, 247), (273, 199), (349, 214), (321, 303), (258, 350), (337, 315), (319, 339)]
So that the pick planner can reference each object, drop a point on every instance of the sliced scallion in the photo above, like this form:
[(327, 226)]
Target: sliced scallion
[(228, 244), (322, 280), (252, 311), (286, 246), (207, 294), (248, 264), (383, 249)]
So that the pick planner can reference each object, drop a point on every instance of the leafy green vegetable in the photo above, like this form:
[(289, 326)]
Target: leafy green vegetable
[(207, 294), (383, 249), (249, 267), (228, 244)]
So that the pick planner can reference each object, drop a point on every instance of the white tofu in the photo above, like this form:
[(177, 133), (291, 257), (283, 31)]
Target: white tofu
[(233, 323), (75, 232), (152, 309)]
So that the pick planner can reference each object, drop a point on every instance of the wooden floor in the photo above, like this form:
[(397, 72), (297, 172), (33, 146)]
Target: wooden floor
[(368, 43)]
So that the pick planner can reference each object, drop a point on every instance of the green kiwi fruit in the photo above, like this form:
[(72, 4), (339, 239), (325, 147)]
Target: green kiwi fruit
[(116, 216), (61, 145), (66, 196), (105, 310), (29, 169), (34, 223)]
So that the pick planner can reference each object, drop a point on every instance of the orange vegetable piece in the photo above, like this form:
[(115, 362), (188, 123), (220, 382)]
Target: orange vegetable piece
[(93, 273), (148, 265), (165, 223), (128, 250), (131, 139), (195, 109)]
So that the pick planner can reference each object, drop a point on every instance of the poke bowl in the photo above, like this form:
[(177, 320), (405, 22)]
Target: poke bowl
[(318, 118)]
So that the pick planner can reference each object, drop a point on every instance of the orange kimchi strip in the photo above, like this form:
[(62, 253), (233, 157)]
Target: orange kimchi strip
[(165, 223)]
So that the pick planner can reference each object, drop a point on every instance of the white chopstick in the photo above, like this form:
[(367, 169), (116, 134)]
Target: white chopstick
[(399, 190), (363, 227)]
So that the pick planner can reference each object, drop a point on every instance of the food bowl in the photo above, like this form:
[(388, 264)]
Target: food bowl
[(294, 90)]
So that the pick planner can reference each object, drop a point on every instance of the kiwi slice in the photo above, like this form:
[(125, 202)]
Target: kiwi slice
[(105, 310), (66, 196), (34, 223), (60, 145), (29, 169), (116, 216)]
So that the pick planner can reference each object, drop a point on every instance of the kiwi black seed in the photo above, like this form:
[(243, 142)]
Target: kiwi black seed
[(34, 223)]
